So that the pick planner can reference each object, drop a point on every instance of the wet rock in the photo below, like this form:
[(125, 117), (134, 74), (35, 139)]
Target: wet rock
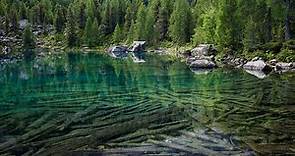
[(118, 51), (281, 66), (273, 62), (186, 54), (256, 59), (202, 64), (204, 50), (258, 65), (6, 50), (138, 46), (23, 23)]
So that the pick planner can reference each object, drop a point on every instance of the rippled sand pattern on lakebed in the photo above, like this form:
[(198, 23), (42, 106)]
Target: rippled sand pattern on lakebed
[(91, 104)]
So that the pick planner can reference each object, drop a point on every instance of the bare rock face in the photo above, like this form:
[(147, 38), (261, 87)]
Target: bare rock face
[(258, 65)]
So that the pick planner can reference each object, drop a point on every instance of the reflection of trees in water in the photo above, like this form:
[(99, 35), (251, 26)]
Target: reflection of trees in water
[(230, 100)]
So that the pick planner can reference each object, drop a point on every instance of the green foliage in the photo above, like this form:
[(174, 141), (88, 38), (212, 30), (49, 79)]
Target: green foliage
[(139, 32), (60, 19), (180, 22), (227, 26), (205, 31), (130, 35), (286, 55), (239, 25), (28, 38), (71, 29), (118, 34)]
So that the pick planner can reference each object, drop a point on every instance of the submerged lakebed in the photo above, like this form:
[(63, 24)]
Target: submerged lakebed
[(72, 103)]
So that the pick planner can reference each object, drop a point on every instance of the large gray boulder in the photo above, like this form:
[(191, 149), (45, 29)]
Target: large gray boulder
[(258, 65), (202, 64)]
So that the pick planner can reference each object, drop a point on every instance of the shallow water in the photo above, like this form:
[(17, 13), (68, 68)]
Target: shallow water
[(92, 104)]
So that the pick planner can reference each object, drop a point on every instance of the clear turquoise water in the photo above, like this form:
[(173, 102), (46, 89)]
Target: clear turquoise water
[(91, 102)]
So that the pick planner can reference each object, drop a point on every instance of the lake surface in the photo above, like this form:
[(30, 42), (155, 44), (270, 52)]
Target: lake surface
[(92, 104)]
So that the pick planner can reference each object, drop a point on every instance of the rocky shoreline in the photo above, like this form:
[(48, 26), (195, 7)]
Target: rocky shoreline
[(201, 59)]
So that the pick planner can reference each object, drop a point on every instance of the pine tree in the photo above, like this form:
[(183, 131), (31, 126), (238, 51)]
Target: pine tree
[(117, 35), (23, 11), (90, 9), (130, 35), (96, 35), (227, 29), (128, 19), (88, 32), (28, 38), (206, 27), (2, 9), (71, 29), (180, 22), (13, 18), (150, 32), (139, 32), (59, 19), (82, 15), (162, 23)]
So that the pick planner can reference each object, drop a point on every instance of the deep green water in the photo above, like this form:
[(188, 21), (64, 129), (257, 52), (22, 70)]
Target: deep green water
[(91, 103)]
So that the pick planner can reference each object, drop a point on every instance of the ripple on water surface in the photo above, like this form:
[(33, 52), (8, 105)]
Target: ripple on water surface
[(92, 104)]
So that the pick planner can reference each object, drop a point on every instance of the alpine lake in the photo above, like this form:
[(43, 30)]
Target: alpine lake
[(92, 104)]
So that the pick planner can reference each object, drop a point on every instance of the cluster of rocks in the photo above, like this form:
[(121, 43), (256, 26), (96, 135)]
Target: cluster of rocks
[(260, 68), (201, 58), (122, 51)]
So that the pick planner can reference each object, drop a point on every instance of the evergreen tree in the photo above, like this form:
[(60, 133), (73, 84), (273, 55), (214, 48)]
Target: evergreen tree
[(60, 19), (162, 23), (130, 35), (227, 29), (71, 29), (96, 33), (13, 18), (82, 15), (90, 9), (23, 11), (2, 8), (28, 38), (150, 32), (139, 32), (128, 19), (117, 35), (88, 34), (180, 22), (206, 27)]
